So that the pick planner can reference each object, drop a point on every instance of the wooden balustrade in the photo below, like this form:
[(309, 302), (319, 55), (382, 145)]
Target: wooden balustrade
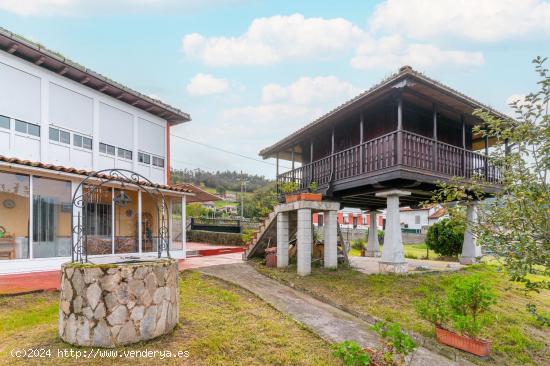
[(417, 151)]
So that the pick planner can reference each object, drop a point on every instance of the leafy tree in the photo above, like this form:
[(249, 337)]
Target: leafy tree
[(260, 203), (445, 237), (515, 225)]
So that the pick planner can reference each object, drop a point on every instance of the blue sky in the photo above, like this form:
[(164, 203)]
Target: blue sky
[(250, 72)]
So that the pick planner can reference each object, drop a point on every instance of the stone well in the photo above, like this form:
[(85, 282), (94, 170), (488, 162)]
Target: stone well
[(116, 304)]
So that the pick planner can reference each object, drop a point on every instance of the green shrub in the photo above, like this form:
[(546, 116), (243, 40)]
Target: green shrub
[(445, 237), (433, 308), (396, 344), (312, 187), (380, 234), (469, 301), (289, 187), (247, 235), (351, 353), (358, 244)]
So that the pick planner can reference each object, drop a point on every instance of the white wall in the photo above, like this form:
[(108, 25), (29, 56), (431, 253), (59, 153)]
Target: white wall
[(408, 219), (36, 95)]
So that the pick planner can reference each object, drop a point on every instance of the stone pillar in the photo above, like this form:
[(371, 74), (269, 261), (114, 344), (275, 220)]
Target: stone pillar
[(304, 240), (282, 239), (331, 242), (393, 258), (470, 250), (373, 246)]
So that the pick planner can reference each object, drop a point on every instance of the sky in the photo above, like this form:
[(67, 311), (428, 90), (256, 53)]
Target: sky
[(252, 72)]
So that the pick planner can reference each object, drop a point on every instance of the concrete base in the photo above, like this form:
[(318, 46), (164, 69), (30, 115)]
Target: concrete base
[(467, 260), (389, 267), (373, 254)]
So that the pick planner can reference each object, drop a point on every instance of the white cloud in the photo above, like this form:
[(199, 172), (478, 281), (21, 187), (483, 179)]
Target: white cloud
[(205, 84), (391, 52), (271, 40), (307, 90), (486, 20), (102, 7)]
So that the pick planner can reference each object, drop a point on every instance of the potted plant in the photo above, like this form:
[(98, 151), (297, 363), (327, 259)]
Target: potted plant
[(460, 318), (289, 189), (311, 195)]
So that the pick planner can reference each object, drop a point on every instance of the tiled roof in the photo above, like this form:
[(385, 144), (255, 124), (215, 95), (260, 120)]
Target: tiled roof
[(200, 194), (439, 213), (403, 72), (85, 173)]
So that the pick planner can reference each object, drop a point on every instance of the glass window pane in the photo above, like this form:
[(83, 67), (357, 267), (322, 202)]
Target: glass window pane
[(5, 122), (149, 223), (77, 140), (14, 215), (52, 209), (97, 218), (129, 155), (33, 130), (87, 143), (126, 228), (110, 150), (54, 134), (64, 137), (177, 238), (120, 152), (20, 126), (102, 148), (146, 159)]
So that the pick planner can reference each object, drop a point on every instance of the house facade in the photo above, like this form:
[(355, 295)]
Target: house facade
[(59, 124)]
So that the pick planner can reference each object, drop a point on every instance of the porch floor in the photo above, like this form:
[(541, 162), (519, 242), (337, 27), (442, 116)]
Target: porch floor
[(48, 280)]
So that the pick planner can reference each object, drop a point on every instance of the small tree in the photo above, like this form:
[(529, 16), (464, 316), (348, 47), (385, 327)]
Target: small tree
[(445, 237)]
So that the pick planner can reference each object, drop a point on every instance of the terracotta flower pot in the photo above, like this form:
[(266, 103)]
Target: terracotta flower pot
[(303, 197), (474, 346)]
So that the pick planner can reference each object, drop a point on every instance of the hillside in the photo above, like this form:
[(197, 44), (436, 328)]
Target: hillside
[(220, 181)]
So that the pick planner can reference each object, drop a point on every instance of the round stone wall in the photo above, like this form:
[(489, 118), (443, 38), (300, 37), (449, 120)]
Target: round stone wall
[(117, 304)]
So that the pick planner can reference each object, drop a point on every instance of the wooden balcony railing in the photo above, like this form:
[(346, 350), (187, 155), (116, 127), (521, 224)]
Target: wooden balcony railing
[(384, 152)]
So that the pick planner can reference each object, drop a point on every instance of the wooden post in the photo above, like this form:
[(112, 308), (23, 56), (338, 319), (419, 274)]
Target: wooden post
[(311, 160), (463, 146), (292, 156), (486, 141), (399, 131), (361, 152), (333, 162), (435, 152)]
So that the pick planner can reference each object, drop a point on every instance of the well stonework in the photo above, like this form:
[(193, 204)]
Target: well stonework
[(117, 304)]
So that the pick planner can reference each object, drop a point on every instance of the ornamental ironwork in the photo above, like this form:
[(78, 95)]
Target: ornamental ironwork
[(92, 190)]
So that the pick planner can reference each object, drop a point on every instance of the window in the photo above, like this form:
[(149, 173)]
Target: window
[(60, 136), (28, 128), (52, 212), (125, 154), (97, 217), (106, 149), (4, 122), (144, 158), (417, 219), (158, 162), (81, 141), (14, 215)]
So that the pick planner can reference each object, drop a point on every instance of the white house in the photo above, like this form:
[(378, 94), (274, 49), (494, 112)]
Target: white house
[(59, 122)]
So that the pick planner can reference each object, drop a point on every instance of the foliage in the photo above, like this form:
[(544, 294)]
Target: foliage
[(313, 186), (396, 344), (466, 306), (380, 234), (542, 319), (433, 308), (358, 244), (445, 237), (289, 187), (196, 210), (221, 180), (247, 235), (351, 353), (515, 226), (260, 203), (469, 300)]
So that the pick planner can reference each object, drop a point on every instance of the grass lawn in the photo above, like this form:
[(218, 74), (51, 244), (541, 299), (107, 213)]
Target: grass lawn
[(220, 324), (413, 251), (517, 338)]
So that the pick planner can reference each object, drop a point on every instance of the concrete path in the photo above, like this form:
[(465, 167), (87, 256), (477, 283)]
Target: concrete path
[(330, 323)]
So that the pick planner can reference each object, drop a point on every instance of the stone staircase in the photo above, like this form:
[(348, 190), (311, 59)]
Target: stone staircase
[(265, 236)]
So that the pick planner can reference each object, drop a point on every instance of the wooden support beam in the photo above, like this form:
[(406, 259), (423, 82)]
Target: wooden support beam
[(361, 138), (121, 95), (13, 48), (136, 102), (86, 80), (435, 150), (104, 88), (400, 130), (64, 70), (463, 145), (40, 60)]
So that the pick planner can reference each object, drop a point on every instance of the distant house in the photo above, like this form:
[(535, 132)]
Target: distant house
[(438, 215), (231, 197), (229, 209), (209, 205), (414, 219)]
